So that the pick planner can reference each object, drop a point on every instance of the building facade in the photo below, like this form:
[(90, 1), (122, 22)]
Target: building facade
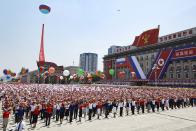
[(72, 69), (88, 62), (173, 57), (113, 49)]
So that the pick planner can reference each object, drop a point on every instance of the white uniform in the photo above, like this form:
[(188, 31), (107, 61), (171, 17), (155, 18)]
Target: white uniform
[(167, 103), (20, 126)]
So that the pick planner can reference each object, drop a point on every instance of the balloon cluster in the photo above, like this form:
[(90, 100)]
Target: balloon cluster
[(9, 73)]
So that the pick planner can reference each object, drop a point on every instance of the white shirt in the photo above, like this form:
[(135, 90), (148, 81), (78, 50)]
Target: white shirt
[(167, 102), (133, 103), (90, 106), (153, 102), (22, 126), (94, 105), (58, 106), (32, 108), (163, 101), (120, 104)]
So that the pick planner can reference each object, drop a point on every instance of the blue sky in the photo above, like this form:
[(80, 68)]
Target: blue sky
[(78, 26)]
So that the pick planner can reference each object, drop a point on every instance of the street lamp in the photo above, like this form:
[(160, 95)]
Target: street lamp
[(155, 67)]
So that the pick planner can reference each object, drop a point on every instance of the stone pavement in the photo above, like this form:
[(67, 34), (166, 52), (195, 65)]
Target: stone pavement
[(173, 120)]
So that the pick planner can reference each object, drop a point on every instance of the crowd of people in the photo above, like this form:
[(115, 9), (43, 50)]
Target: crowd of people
[(43, 102)]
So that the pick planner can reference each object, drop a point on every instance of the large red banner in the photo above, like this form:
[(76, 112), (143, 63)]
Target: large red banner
[(182, 53)]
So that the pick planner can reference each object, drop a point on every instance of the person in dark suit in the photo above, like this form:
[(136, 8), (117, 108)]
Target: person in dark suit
[(114, 107), (171, 103), (80, 111), (76, 106), (71, 110), (133, 104), (127, 106), (107, 107), (62, 112), (153, 104)]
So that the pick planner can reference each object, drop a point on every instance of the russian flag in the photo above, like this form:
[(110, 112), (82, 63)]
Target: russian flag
[(121, 62)]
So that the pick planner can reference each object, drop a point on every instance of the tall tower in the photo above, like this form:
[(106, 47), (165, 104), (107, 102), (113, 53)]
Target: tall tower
[(41, 53), (88, 62)]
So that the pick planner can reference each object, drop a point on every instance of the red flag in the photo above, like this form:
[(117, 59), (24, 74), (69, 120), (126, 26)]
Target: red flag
[(135, 41), (148, 37), (41, 53)]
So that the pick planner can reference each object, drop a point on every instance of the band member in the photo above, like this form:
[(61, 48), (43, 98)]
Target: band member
[(133, 104), (43, 111), (66, 111), (6, 114), (94, 108), (121, 105), (153, 105), (32, 106), (80, 111), (90, 107), (158, 103), (171, 103), (167, 103), (71, 110), (127, 106), (62, 112), (76, 106), (58, 106), (35, 116), (138, 106), (142, 104), (163, 104), (49, 110), (106, 108), (148, 105), (99, 106), (114, 107)]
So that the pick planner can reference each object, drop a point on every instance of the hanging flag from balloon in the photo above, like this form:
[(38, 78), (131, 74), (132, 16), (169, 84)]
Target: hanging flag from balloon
[(44, 9)]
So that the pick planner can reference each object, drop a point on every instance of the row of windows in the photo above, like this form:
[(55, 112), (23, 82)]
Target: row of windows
[(123, 49), (179, 76), (186, 68), (141, 58)]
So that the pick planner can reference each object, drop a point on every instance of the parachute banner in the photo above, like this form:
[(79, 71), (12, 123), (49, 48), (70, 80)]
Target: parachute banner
[(44, 9)]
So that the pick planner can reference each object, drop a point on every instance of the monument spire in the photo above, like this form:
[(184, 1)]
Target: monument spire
[(41, 53)]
